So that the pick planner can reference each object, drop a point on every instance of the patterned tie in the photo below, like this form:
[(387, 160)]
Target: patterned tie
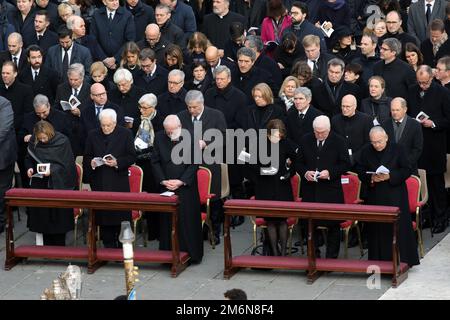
[(98, 110)]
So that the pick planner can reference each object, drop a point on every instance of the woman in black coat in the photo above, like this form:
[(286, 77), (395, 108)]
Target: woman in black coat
[(275, 185), (199, 79), (378, 106), (49, 146), (112, 175), (388, 190)]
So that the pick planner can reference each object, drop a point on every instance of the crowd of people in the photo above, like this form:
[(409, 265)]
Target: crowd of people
[(339, 85)]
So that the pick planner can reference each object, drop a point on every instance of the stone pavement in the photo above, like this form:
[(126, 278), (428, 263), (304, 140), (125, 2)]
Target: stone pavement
[(205, 281)]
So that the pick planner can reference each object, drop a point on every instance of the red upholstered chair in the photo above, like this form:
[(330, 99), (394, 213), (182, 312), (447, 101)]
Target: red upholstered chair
[(77, 212), (413, 185), (135, 178), (351, 186), (204, 177), (291, 222)]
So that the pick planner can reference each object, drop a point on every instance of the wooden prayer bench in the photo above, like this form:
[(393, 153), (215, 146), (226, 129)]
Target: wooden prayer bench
[(313, 211), (92, 200)]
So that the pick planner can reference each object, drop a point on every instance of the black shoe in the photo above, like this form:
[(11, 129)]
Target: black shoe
[(216, 240), (440, 227)]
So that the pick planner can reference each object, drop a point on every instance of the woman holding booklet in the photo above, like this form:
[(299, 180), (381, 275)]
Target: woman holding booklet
[(50, 165)]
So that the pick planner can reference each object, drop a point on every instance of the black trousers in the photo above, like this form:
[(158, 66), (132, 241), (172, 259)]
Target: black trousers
[(6, 176), (110, 236), (333, 237), (437, 197), (57, 239)]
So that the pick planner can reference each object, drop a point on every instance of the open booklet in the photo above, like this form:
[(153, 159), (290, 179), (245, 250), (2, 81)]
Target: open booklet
[(422, 116), (244, 156), (71, 104), (101, 161), (380, 170), (42, 169), (327, 32)]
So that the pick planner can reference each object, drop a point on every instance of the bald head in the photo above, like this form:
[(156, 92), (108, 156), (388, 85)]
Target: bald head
[(98, 94), (77, 25), (15, 43), (212, 56), (348, 105), (152, 34)]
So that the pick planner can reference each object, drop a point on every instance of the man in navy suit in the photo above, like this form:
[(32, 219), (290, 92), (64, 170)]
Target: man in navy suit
[(43, 37), (61, 56), (15, 52), (113, 26)]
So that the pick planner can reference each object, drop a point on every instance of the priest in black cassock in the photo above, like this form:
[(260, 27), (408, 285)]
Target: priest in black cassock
[(181, 179), (388, 190), (113, 174)]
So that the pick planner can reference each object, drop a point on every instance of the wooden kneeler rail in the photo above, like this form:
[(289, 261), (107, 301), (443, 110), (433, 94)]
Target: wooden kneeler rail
[(310, 212), (92, 200)]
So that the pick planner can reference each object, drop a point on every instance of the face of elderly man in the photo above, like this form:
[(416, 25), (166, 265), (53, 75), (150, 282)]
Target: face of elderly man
[(98, 94), (75, 79), (79, 27), (107, 124), (378, 139), (174, 83), (301, 102), (124, 86), (195, 108), (245, 63), (397, 111), (321, 132), (173, 130), (42, 111), (348, 106), (222, 80)]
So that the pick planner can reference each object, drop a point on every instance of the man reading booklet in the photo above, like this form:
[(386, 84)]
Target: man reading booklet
[(99, 161), (71, 104)]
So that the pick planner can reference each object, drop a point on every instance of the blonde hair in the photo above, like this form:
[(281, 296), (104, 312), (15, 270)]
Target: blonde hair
[(285, 82), (98, 66), (265, 90)]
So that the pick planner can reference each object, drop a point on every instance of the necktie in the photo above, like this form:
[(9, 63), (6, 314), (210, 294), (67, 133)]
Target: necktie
[(428, 13), (398, 123), (65, 62), (397, 131), (320, 145), (315, 68), (75, 92), (110, 17), (39, 38), (15, 61), (301, 116), (195, 119), (35, 75), (98, 110)]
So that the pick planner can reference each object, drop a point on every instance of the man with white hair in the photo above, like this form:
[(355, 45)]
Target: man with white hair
[(322, 159), (198, 113), (172, 101), (181, 179), (116, 143)]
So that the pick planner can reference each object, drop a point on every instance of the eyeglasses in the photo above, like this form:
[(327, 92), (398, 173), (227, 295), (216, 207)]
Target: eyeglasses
[(174, 82), (385, 49), (424, 83), (392, 22), (98, 94)]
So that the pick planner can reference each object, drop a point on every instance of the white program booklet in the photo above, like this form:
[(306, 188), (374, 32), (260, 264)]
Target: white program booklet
[(268, 171), (325, 31), (380, 170), (71, 104), (43, 168), (244, 156), (101, 161), (422, 116), (167, 194)]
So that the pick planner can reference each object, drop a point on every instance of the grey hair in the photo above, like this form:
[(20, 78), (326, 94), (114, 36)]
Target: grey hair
[(172, 118), (40, 100), (72, 20), (76, 68), (176, 73), (246, 52), (402, 102), (322, 122), (108, 113), (220, 69), (425, 68), (377, 129), (164, 6), (255, 42), (304, 91), (194, 95), (394, 45), (122, 74), (149, 99), (336, 62)]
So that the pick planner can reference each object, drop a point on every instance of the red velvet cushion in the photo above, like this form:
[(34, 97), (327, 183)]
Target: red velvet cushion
[(89, 195), (413, 187), (260, 222), (351, 189), (356, 265), (161, 256), (56, 252), (285, 262)]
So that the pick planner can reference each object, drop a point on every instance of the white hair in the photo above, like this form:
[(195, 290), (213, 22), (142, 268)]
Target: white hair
[(171, 118), (322, 122), (108, 113), (149, 98)]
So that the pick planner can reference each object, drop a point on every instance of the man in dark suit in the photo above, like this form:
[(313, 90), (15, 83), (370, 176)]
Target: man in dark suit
[(15, 52), (353, 126), (112, 26), (52, 10), (321, 161), (397, 73), (43, 111), (154, 41), (90, 115), (40, 78), (420, 15), (213, 59), (152, 77), (182, 15), (143, 15), (433, 100), (393, 26), (317, 60), (327, 96), (249, 75), (76, 87), (197, 119), (78, 27), (61, 56), (301, 116), (172, 101), (43, 36), (22, 17), (404, 130), (437, 45), (8, 154), (170, 31), (180, 178)]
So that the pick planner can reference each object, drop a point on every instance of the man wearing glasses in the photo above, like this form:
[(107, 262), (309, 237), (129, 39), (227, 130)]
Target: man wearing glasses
[(394, 29), (397, 73), (152, 77), (172, 101)]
